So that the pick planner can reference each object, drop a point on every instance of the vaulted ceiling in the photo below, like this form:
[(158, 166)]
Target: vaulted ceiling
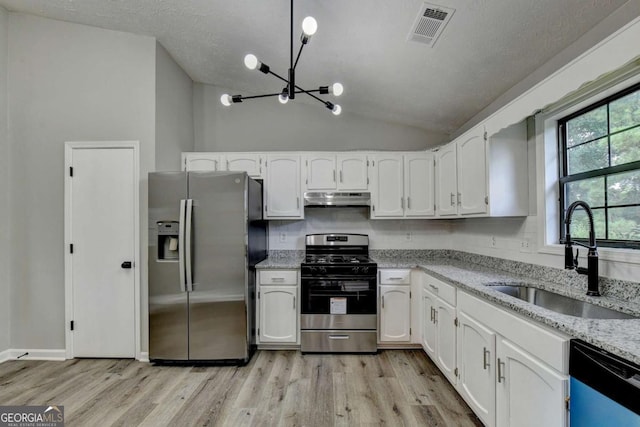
[(486, 47)]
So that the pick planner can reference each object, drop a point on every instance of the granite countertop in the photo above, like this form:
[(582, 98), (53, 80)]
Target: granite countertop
[(476, 274)]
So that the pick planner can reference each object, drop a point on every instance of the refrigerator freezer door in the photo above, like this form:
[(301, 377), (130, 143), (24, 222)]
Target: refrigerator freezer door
[(168, 309), (218, 303)]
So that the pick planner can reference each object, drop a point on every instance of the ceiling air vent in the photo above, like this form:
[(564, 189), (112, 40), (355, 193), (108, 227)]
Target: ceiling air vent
[(429, 24)]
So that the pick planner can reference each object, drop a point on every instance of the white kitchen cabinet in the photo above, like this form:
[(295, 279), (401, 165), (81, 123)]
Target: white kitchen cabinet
[(403, 185), (321, 172), (476, 367), (529, 393), (282, 194), (510, 371), (278, 307), (251, 163), (353, 171), (202, 162), (339, 172), (395, 305), (481, 175), (439, 325)]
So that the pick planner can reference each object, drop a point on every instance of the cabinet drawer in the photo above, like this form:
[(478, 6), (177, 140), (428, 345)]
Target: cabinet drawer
[(395, 277), (278, 277), (441, 289)]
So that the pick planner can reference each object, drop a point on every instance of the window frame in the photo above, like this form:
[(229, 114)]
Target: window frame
[(564, 178)]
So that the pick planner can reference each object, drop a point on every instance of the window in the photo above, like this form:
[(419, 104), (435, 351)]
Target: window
[(600, 164)]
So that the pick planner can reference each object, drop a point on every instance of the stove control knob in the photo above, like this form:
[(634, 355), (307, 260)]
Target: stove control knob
[(322, 269), (365, 269), (312, 269), (355, 270)]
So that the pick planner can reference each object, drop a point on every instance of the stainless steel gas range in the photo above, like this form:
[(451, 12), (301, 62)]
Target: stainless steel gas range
[(339, 295)]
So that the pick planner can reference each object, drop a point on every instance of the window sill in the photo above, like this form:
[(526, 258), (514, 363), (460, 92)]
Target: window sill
[(629, 256)]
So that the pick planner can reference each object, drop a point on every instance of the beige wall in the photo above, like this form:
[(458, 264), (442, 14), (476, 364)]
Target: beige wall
[(174, 111), (266, 125), (67, 82), (4, 189)]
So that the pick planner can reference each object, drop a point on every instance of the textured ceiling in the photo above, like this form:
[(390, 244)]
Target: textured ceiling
[(487, 47)]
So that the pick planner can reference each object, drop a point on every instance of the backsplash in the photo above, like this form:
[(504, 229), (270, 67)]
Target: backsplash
[(383, 234)]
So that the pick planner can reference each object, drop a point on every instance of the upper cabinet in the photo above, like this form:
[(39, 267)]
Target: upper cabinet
[(251, 163), (478, 175), (341, 172), (282, 193), (402, 185)]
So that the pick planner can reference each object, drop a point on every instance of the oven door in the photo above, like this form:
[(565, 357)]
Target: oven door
[(339, 295)]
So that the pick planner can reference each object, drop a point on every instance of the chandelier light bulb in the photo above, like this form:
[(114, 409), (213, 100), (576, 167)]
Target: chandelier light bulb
[(225, 99), (337, 89), (283, 98), (309, 26), (251, 62), (336, 110)]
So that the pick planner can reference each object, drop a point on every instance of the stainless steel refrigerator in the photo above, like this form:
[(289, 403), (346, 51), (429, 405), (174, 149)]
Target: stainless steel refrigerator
[(206, 234)]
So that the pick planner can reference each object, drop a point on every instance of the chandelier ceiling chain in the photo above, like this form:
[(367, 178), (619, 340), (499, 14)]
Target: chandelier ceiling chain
[(309, 28)]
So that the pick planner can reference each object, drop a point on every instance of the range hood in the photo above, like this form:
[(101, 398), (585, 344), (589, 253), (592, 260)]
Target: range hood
[(336, 199)]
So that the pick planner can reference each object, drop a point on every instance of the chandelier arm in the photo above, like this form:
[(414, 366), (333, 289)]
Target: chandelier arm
[(279, 76), (261, 96), (308, 92), (298, 57)]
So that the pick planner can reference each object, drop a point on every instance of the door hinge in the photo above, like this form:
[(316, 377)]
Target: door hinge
[(485, 135), (455, 321), (258, 294), (566, 402), (486, 200), (456, 372), (70, 170), (258, 331), (367, 180), (71, 325), (367, 163), (71, 248), (409, 331), (409, 294), (373, 207)]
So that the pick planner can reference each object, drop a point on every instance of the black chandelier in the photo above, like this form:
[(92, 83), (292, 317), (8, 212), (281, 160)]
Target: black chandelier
[(309, 28)]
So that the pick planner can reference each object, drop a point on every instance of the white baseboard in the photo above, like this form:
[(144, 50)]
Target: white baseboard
[(32, 354), (144, 356)]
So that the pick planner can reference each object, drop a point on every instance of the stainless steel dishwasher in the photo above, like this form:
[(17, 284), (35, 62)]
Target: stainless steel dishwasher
[(605, 389)]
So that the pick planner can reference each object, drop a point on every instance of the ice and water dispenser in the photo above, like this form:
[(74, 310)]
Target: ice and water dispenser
[(168, 232)]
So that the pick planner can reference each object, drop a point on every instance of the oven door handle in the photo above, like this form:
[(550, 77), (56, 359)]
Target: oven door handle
[(338, 337)]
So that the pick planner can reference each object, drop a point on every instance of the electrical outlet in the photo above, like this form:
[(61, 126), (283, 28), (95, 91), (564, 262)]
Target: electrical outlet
[(283, 237), (408, 236), (493, 243), (525, 245)]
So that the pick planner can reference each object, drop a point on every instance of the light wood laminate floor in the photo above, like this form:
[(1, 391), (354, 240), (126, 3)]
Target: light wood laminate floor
[(277, 388)]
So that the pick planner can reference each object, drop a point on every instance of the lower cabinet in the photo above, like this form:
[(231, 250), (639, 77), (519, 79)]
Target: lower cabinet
[(395, 305), (278, 307), (503, 383)]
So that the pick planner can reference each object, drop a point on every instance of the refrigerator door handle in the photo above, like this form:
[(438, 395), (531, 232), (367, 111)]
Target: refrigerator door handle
[(187, 245), (181, 245)]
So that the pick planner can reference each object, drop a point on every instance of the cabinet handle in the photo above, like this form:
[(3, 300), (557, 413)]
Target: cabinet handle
[(435, 288), (277, 279), (500, 369), (338, 337), (408, 202), (435, 316), (341, 177), (459, 199), (382, 301), (395, 278), (227, 164), (485, 358), (215, 164), (453, 199), (431, 314), (294, 302)]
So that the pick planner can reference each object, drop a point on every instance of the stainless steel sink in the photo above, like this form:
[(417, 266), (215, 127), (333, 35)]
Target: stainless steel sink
[(560, 303)]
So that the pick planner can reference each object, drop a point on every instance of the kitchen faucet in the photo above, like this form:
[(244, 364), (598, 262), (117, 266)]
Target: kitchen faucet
[(571, 263)]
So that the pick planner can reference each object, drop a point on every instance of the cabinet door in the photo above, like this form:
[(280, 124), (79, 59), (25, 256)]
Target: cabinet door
[(251, 163), (446, 181), (395, 313), (388, 191), (429, 323), (202, 162), (529, 393), (321, 172), (278, 314), (476, 368), (446, 339), (419, 187), (282, 189), (472, 175), (352, 172)]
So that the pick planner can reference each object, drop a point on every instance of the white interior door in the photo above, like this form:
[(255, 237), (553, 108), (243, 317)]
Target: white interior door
[(101, 215)]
